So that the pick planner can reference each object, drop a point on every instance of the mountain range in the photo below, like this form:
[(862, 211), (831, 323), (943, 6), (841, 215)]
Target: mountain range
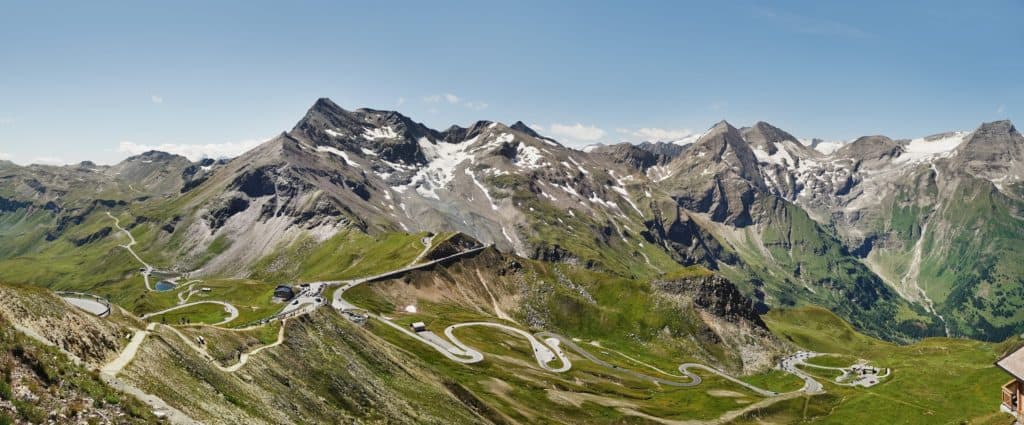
[(692, 248), (903, 238)]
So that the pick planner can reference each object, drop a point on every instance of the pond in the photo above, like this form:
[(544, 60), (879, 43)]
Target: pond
[(163, 286)]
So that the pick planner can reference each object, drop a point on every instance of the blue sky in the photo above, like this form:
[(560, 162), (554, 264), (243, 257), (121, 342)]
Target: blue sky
[(99, 81)]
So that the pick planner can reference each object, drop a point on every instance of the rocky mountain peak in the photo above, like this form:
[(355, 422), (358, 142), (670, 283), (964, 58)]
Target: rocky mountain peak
[(1002, 126), (522, 127), (324, 114), (992, 151), (154, 155), (723, 143), (627, 153), (666, 150), (641, 156), (765, 136), (456, 134), (871, 148), (990, 135), (719, 127)]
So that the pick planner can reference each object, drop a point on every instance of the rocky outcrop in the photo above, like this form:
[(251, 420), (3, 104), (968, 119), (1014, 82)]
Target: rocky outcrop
[(717, 296), (10, 205), (99, 234), (255, 183), (227, 208), (686, 241), (732, 320), (553, 253), (454, 244)]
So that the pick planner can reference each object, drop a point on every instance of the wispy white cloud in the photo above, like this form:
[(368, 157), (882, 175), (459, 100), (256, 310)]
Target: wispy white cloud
[(6, 156), (453, 99), (193, 152), (810, 25), (48, 160), (400, 101), (156, 99), (577, 132), (476, 106), (1001, 110), (6, 121), (536, 127), (447, 97), (661, 134)]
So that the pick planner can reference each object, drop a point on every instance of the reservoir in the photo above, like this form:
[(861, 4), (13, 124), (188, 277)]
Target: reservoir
[(163, 286)]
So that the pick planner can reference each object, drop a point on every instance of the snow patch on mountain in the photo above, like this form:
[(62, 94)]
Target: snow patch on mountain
[(625, 195), (928, 148), (780, 157), (688, 140), (337, 152), (608, 204), (658, 173), (374, 133), (482, 188), (443, 158), (578, 165), (529, 157), (822, 146)]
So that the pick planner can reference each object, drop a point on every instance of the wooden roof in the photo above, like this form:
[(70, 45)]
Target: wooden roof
[(1013, 363)]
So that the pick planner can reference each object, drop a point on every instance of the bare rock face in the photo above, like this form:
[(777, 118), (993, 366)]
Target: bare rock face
[(391, 135), (640, 156), (734, 319), (718, 175), (629, 154), (871, 149), (766, 136), (717, 296), (455, 244), (686, 241), (995, 150)]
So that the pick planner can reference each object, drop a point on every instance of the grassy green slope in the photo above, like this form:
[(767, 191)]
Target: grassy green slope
[(971, 239), (800, 263), (935, 381)]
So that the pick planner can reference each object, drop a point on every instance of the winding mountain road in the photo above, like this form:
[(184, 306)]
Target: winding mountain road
[(694, 380), (126, 355), (339, 303), (230, 309), (148, 268), (243, 358), (546, 345), (543, 352), (800, 359)]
